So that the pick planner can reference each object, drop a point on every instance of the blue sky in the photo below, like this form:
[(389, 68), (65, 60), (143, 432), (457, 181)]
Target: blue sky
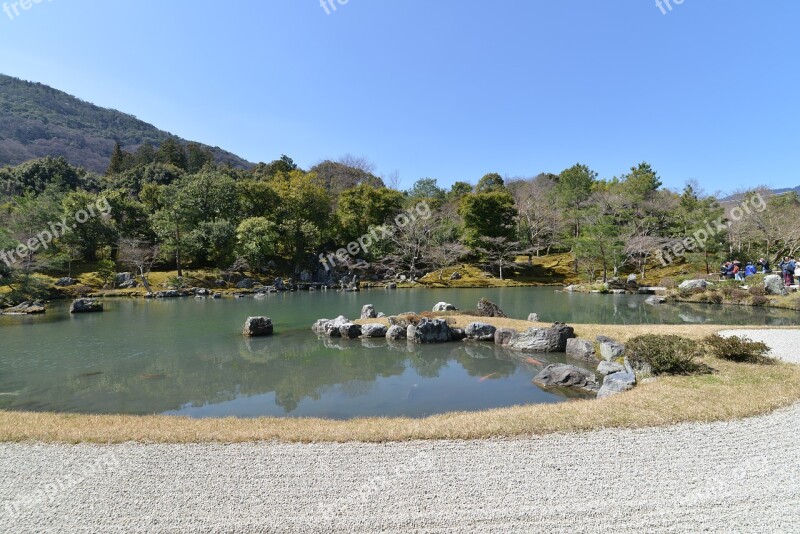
[(448, 89)]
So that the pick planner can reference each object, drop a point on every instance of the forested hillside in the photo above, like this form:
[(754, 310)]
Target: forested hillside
[(38, 121)]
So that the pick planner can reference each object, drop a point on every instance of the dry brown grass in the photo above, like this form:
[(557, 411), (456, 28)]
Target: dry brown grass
[(732, 391)]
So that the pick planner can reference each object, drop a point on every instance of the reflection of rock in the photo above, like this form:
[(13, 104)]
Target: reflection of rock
[(610, 349), (86, 306), (396, 333), (487, 308), (373, 330), (503, 336), (560, 375), (582, 349), (616, 383), (258, 326), (553, 339), (368, 343), (655, 300), (480, 331), (444, 306), (368, 312)]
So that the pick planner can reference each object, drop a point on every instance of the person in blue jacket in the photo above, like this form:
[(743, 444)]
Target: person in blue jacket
[(750, 269)]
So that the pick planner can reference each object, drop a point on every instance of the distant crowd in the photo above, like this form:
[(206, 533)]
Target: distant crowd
[(789, 268)]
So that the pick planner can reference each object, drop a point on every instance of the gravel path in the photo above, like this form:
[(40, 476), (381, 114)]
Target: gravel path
[(740, 476), (785, 344)]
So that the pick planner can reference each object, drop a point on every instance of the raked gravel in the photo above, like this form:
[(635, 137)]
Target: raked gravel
[(739, 476)]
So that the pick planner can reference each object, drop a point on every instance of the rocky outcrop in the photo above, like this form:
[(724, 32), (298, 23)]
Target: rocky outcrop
[(693, 284), (581, 349), (368, 312), (66, 282), (616, 383), (443, 307), (330, 327), (86, 306), (258, 326), (430, 331), (553, 339), (609, 368), (487, 308), (480, 331), (350, 330), (373, 330), (246, 283), (774, 285), (26, 308), (503, 336), (396, 333), (560, 375), (533, 317), (610, 349)]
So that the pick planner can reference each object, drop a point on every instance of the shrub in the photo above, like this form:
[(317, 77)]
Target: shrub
[(714, 298), (757, 291), (671, 355), (738, 349), (669, 283), (760, 300), (739, 295)]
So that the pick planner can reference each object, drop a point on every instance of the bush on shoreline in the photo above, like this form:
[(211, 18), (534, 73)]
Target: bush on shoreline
[(664, 354), (738, 349)]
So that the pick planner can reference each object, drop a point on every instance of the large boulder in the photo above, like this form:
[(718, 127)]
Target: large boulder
[(26, 308), (581, 349), (246, 283), (122, 278), (66, 282), (480, 331), (430, 331), (279, 284), (86, 306), (616, 383), (609, 368), (610, 349), (560, 375), (774, 285), (503, 336), (257, 326), (533, 317), (457, 334), (553, 339), (368, 312), (487, 308), (330, 327), (373, 330), (396, 333), (319, 325), (693, 284), (443, 307), (350, 330)]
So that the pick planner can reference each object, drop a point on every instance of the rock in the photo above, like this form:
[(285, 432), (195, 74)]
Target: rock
[(396, 333), (444, 306), (319, 325), (86, 306), (489, 309), (279, 285), (570, 288), (258, 326), (66, 282), (368, 312), (480, 331), (560, 375), (168, 294), (350, 330), (381, 315), (455, 276), (581, 349), (610, 349), (220, 283), (330, 327), (503, 336), (26, 308), (123, 278), (457, 334), (216, 296), (533, 318), (632, 278), (130, 284), (616, 383), (202, 292), (693, 284), (305, 276), (609, 368), (553, 339), (430, 331), (246, 283), (655, 300), (391, 285), (774, 285), (373, 330)]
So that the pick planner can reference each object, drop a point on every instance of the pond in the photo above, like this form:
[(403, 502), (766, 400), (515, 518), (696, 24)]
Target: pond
[(188, 357)]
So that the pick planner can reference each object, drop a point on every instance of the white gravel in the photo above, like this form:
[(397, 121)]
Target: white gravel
[(740, 476), (785, 344)]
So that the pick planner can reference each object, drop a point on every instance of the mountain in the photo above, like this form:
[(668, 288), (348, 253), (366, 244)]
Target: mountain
[(769, 192), (37, 121)]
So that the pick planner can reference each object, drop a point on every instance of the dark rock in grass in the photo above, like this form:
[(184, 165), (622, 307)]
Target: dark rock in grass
[(610, 349), (86, 306), (66, 282), (247, 283), (430, 331), (489, 309), (581, 349), (396, 333), (26, 308), (373, 330), (455, 276), (480, 331), (350, 330), (559, 375), (616, 383), (258, 326), (503, 336), (553, 339)]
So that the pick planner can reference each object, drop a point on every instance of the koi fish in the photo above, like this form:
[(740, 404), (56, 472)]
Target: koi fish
[(533, 361), (487, 377)]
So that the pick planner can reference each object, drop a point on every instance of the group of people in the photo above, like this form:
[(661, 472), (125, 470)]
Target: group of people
[(789, 269)]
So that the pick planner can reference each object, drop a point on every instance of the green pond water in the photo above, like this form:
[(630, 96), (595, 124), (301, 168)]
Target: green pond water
[(188, 357)]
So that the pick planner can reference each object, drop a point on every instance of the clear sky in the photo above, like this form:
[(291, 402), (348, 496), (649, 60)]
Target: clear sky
[(448, 89)]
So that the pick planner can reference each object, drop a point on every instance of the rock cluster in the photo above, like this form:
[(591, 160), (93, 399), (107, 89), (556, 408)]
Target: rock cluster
[(86, 306)]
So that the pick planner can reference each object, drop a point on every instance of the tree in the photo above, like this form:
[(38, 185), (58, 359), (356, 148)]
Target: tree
[(499, 250), (487, 215), (573, 189), (427, 189), (257, 241), (120, 161), (444, 255), (139, 255), (491, 182), (172, 153), (365, 206), (197, 157), (540, 221)]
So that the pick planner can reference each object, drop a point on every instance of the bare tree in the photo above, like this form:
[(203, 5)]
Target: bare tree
[(498, 250), (140, 255), (444, 255)]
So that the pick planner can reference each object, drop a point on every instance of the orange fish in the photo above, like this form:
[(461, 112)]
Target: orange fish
[(533, 361), (487, 377)]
